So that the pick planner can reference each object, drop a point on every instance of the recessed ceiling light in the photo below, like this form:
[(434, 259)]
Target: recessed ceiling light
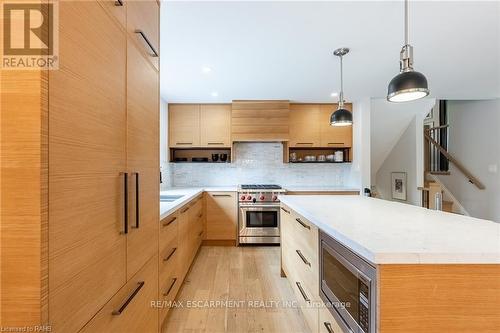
[(334, 94), (206, 69), (214, 94)]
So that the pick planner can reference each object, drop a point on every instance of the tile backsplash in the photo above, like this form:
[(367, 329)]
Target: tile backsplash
[(256, 162)]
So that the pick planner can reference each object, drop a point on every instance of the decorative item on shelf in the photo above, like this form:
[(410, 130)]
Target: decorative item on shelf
[(321, 158), (409, 84), (398, 185), (223, 157), (341, 116), (215, 157), (338, 156), (199, 159), (180, 159), (310, 158), (293, 157), (330, 158)]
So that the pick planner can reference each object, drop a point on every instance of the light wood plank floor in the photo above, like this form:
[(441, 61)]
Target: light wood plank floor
[(244, 274)]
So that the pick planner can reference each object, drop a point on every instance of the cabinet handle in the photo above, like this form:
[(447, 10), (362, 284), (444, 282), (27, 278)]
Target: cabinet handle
[(137, 210), (129, 299), (286, 211), (119, 3), (143, 35), (303, 224), (201, 233), (174, 280), (169, 222), (302, 292), (335, 143), (303, 258), (170, 255), (185, 210), (221, 195), (125, 198), (329, 327), (183, 143), (200, 216), (304, 143), (215, 143)]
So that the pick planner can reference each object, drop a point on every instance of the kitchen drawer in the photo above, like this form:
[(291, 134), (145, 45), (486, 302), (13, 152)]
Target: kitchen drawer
[(306, 272), (168, 258), (327, 323), (168, 229), (130, 309), (306, 303), (170, 284)]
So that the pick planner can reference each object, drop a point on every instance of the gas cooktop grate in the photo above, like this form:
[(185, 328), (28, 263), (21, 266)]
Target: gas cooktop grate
[(260, 187)]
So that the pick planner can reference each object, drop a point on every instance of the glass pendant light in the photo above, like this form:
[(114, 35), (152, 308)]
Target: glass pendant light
[(341, 116), (408, 85)]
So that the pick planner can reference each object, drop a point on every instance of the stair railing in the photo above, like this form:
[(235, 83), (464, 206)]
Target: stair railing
[(429, 137)]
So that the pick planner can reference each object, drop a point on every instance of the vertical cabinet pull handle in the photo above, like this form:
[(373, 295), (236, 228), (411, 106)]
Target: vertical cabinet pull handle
[(125, 198), (119, 3), (143, 35), (329, 327), (137, 210), (170, 288), (128, 300), (306, 298), (286, 211), (303, 258), (303, 224), (170, 255)]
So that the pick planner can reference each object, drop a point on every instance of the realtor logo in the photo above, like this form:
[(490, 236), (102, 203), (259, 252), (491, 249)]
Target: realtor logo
[(29, 32)]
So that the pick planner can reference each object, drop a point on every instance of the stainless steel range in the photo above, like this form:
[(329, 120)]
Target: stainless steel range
[(259, 216)]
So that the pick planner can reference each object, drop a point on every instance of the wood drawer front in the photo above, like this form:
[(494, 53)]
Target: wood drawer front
[(309, 273), (170, 284), (145, 16), (134, 301), (168, 257), (301, 234), (327, 323), (308, 308), (168, 229)]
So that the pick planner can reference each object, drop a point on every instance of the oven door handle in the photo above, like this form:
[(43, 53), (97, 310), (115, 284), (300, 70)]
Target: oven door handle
[(274, 207)]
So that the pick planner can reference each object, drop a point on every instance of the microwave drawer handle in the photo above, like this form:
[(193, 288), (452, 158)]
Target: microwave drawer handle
[(328, 327), (303, 224), (129, 299), (306, 298), (303, 258)]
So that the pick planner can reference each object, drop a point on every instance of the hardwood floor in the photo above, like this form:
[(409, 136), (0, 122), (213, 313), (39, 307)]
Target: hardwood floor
[(248, 279)]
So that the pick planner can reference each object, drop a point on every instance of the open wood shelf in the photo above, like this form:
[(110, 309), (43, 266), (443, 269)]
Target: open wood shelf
[(199, 152)]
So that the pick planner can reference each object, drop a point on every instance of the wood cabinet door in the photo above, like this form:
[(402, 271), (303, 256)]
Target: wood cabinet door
[(215, 125), (143, 23), (130, 310), (305, 125), (333, 136), (142, 159), (222, 215), (184, 125), (87, 158)]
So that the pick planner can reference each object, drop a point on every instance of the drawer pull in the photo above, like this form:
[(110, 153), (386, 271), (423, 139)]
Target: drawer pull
[(170, 255), (201, 233), (302, 292), (129, 299), (200, 216), (216, 143), (174, 280), (221, 195), (304, 143), (329, 327), (169, 222), (185, 210), (183, 143), (303, 224), (119, 3), (303, 258), (335, 143), (143, 35), (286, 211)]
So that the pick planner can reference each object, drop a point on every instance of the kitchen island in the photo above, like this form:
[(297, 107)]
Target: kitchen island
[(435, 271)]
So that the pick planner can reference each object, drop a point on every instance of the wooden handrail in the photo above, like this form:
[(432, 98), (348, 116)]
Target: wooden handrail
[(420, 188), (470, 177), (437, 127)]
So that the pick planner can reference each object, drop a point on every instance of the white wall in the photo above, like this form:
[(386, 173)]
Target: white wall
[(474, 140), (403, 158)]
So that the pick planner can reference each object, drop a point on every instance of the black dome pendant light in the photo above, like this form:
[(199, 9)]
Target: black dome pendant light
[(341, 116), (408, 85)]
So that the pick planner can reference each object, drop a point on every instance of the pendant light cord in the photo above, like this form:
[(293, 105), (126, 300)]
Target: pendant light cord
[(407, 16), (341, 95)]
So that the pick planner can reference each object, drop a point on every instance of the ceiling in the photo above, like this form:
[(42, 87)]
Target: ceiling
[(283, 50)]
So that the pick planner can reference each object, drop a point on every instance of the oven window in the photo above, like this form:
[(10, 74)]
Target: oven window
[(342, 283), (261, 219)]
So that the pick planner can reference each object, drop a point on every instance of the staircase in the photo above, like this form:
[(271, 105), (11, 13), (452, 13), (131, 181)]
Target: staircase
[(449, 203)]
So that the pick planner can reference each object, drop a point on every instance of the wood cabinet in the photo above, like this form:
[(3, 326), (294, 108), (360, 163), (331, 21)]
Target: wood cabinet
[(143, 28), (305, 125), (215, 126), (183, 241), (87, 158), (327, 323), (184, 125), (334, 136), (221, 215), (130, 309)]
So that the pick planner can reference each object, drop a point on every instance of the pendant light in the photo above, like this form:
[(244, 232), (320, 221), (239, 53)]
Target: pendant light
[(408, 85), (341, 116)]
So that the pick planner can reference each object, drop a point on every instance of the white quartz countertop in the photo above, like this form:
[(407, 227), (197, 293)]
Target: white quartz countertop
[(321, 189), (188, 193), (386, 232)]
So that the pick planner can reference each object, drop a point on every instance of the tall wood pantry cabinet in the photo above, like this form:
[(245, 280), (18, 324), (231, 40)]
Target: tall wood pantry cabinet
[(89, 148)]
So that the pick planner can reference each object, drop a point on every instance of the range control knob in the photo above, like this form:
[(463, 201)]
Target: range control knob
[(262, 197), (275, 197), (249, 197), (242, 197)]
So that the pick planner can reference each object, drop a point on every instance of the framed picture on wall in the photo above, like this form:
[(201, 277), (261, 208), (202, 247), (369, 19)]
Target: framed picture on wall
[(398, 185)]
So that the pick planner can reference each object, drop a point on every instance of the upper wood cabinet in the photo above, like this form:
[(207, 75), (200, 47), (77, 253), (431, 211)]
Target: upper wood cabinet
[(334, 136), (143, 19), (184, 125), (215, 127), (87, 158), (305, 125), (221, 216), (260, 120)]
